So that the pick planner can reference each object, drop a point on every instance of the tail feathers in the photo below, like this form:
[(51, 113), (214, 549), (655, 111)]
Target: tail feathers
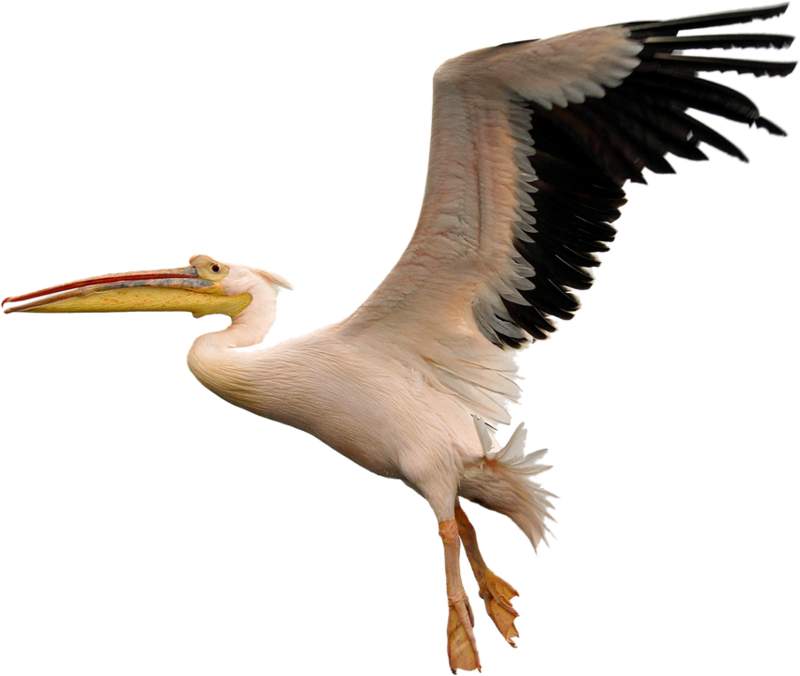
[(501, 482), (512, 455)]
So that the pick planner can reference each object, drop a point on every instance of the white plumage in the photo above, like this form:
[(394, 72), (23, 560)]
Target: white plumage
[(398, 386)]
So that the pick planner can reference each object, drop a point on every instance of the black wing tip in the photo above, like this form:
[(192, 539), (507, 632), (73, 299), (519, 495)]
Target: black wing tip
[(661, 73), (643, 29), (771, 127), (690, 65), (675, 71), (670, 43)]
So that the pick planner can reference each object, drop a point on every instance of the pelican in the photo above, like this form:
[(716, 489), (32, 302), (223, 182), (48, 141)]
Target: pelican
[(531, 146)]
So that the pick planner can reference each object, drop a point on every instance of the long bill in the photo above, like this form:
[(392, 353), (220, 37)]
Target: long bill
[(178, 289)]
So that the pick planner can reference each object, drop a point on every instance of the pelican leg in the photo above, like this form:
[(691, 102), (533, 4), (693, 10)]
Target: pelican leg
[(462, 650), (495, 591)]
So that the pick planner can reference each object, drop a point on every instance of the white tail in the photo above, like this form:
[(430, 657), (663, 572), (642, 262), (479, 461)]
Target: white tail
[(501, 482)]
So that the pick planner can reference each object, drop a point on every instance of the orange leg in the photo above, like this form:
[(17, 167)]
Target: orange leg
[(495, 591), (461, 647)]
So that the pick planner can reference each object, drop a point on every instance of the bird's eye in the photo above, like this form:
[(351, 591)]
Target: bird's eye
[(215, 267)]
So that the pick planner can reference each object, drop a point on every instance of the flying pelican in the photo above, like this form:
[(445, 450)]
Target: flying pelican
[(531, 145)]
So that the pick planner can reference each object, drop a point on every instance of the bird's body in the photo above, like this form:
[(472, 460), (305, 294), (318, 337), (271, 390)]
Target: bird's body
[(531, 145), (384, 409), (376, 412)]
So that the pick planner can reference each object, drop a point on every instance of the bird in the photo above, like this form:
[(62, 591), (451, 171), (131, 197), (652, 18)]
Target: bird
[(532, 144)]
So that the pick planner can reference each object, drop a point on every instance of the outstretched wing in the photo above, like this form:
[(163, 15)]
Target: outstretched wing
[(531, 145)]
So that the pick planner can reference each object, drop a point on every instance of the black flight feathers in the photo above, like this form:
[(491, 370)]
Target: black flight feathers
[(586, 153)]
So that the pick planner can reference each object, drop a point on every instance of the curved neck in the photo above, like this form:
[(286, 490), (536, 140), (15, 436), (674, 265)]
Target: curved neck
[(212, 355), (218, 361), (249, 327)]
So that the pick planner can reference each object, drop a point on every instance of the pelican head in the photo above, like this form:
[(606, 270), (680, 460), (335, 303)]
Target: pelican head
[(206, 287)]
